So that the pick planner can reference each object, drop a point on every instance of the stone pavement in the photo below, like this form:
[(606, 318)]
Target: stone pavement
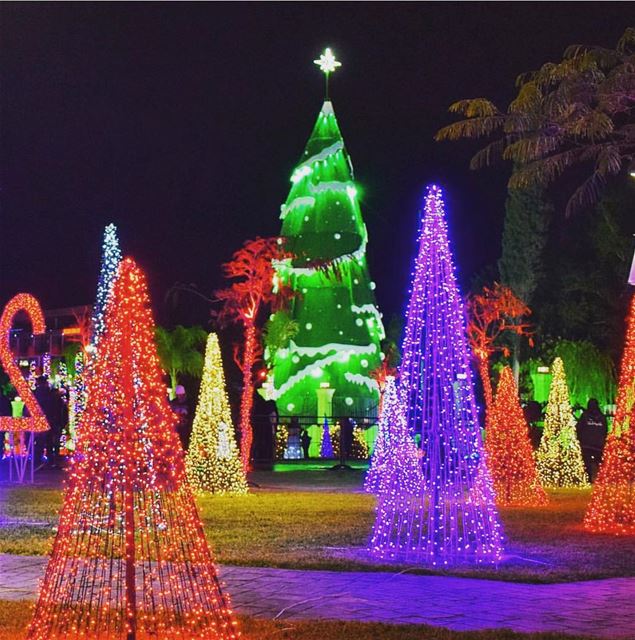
[(601, 608)]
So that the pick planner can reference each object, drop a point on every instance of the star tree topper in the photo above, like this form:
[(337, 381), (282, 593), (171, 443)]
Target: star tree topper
[(328, 64)]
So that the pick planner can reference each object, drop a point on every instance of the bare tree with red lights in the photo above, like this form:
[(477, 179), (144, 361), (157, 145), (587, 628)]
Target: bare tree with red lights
[(255, 287), (491, 313)]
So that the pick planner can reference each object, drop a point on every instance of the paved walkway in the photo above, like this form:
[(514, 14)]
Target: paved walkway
[(602, 608)]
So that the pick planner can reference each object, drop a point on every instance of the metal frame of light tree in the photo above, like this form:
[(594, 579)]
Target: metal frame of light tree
[(20, 439), (453, 519), (130, 560), (612, 506), (510, 457), (559, 456), (212, 462)]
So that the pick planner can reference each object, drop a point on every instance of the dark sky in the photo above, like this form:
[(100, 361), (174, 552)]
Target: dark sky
[(182, 122)]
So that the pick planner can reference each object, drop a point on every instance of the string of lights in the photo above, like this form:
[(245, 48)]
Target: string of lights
[(130, 560), (213, 463), (453, 518), (559, 455)]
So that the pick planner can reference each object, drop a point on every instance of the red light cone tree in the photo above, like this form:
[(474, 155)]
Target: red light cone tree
[(130, 560), (509, 453), (559, 456), (212, 462), (612, 506)]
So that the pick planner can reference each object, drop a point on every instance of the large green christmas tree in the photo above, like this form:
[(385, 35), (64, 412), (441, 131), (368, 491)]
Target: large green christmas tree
[(339, 328)]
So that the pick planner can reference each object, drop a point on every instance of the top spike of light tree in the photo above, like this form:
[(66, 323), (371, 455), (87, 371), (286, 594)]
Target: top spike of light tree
[(510, 456), (454, 518), (253, 289), (559, 455), (130, 560), (612, 506), (337, 343), (395, 452), (212, 461), (110, 259)]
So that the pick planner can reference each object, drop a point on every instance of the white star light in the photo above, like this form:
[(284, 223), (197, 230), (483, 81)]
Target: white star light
[(327, 62)]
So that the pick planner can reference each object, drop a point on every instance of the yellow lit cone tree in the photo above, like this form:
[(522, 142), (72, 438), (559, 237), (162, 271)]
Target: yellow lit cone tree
[(212, 463), (559, 456)]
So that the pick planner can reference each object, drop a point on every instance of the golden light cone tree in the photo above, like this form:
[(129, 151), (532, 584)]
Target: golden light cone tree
[(130, 560), (213, 463), (559, 455), (612, 506), (509, 453)]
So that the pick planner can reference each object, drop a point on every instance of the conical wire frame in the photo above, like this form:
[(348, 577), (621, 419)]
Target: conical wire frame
[(130, 560), (452, 518)]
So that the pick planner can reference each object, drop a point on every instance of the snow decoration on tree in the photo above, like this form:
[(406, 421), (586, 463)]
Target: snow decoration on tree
[(612, 506), (453, 517), (339, 327), (559, 456), (130, 560), (213, 462), (110, 258), (510, 457)]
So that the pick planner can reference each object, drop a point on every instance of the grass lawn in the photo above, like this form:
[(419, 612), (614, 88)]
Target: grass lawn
[(15, 616), (321, 520)]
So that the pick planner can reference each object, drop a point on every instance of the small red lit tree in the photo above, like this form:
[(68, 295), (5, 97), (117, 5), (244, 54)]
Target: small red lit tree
[(130, 560), (612, 506), (255, 287), (509, 452), (491, 313)]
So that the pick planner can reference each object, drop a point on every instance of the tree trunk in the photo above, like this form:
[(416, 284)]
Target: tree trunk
[(247, 399), (516, 358), (483, 370), (173, 383)]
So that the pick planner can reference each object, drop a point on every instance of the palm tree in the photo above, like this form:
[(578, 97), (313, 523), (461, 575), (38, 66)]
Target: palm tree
[(575, 113), (179, 352)]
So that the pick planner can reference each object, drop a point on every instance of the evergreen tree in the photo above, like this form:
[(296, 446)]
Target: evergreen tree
[(559, 456), (453, 518), (130, 559), (527, 216), (212, 462), (339, 328), (510, 456)]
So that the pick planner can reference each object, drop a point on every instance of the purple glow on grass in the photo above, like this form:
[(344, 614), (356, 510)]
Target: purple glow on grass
[(453, 519)]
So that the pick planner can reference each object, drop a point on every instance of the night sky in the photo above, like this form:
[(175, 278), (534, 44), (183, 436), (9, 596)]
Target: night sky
[(182, 123)]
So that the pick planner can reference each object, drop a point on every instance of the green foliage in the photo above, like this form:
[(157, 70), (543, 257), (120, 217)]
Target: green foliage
[(279, 330), (574, 113), (180, 350), (527, 216), (584, 294), (70, 351)]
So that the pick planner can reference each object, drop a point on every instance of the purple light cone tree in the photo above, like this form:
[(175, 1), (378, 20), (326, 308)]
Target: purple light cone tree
[(395, 453), (326, 446), (453, 519)]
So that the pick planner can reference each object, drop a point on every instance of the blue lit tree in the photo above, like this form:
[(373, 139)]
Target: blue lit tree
[(453, 518), (110, 258)]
